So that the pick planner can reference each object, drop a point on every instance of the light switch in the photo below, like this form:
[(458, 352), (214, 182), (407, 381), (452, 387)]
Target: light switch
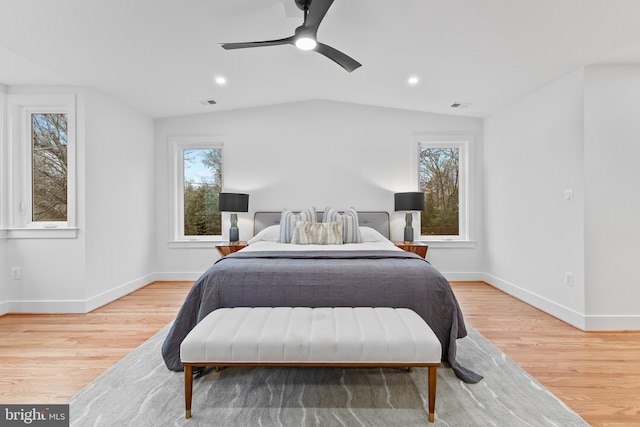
[(568, 195)]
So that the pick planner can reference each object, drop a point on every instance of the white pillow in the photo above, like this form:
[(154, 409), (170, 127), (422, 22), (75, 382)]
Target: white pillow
[(369, 234), (269, 234)]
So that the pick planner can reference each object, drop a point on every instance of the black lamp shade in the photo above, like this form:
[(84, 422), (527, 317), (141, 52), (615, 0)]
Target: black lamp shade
[(233, 202), (412, 201)]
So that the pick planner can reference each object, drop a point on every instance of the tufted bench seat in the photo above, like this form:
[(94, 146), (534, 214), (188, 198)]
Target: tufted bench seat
[(301, 336)]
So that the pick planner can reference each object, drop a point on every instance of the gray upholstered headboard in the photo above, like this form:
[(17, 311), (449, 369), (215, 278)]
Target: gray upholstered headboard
[(378, 220)]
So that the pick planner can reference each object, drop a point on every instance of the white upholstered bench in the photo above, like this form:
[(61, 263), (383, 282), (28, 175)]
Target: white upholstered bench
[(300, 336)]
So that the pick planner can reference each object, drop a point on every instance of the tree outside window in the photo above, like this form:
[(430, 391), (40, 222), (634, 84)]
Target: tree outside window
[(202, 184), (439, 173), (49, 166)]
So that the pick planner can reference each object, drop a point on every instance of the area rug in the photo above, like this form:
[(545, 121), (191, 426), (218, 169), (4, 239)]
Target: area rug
[(140, 391)]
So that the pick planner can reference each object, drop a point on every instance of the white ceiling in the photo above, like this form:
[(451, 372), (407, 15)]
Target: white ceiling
[(161, 56)]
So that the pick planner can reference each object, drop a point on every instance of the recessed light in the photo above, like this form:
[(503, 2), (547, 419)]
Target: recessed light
[(413, 80), (208, 102), (220, 80), (460, 105)]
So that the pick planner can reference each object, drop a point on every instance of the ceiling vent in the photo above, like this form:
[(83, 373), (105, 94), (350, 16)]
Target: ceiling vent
[(208, 102)]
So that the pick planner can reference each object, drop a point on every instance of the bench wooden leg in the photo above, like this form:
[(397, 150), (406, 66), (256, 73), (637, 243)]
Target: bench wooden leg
[(433, 374), (188, 389)]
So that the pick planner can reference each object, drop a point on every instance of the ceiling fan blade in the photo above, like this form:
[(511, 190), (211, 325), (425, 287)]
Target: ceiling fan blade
[(317, 10), (243, 45), (338, 57)]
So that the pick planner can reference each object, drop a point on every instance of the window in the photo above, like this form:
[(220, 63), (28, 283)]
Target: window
[(49, 167), (443, 171), (4, 166), (439, 181), (42, 142), (198, 182), (202, 180)]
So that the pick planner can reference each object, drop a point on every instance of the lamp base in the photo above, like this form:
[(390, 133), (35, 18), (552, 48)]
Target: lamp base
[(408, 234), (408, 228), (234, 234)]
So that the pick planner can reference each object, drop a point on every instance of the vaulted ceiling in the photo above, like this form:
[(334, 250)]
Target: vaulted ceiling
[(162, 56)]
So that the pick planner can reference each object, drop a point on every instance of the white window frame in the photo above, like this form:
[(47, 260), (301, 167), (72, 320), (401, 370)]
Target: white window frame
[(466, 220), (20, 220), (4, 164), (177, 147)]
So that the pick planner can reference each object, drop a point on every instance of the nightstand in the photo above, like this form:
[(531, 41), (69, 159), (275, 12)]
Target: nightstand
[(415, 247), (226, 248)]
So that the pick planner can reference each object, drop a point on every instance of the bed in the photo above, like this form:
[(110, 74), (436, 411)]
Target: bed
[(365, 269)]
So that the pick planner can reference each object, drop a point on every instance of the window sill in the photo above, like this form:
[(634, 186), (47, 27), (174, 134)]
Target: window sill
[(40, 233), (449, 244), (194, 244)]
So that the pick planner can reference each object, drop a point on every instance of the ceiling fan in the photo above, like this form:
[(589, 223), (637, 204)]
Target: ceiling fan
[(305, 35)]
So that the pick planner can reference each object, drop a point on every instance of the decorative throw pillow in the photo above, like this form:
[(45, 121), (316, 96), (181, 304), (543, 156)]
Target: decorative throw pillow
[(288, 221), (350, 226), (317, 233)]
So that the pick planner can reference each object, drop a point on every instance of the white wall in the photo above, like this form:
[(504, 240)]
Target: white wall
[(533, 152), (612, 196), (5, 271), (310, 153), (119, 192), (579, 132), (5, 275), (113, 252)]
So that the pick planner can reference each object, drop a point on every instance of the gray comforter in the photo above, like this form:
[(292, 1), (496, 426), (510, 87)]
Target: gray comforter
[(324, 279)]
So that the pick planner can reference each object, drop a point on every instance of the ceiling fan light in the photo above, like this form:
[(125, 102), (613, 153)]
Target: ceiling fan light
[(305, 43)]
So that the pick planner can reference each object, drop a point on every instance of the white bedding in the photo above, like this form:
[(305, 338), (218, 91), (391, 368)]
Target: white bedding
[(364, 246), (267, 240)]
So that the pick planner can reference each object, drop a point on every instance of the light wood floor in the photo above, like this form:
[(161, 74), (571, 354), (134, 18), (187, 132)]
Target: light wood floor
[(597, 374), (48, 358)]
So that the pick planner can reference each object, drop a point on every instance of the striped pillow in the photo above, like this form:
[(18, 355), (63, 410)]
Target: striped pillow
[(350, 226), (317, 233), (288, 220)]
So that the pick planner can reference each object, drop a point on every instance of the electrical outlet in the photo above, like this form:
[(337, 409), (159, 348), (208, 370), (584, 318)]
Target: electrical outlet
[(15, 273), (568, 278)]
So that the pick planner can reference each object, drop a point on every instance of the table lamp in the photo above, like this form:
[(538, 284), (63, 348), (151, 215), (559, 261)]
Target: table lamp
[(234, 203), (411, 201)]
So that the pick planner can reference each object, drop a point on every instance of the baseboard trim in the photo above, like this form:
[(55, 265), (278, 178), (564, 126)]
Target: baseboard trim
[(75, 306), (47, 306), (118, 292), (556, 310), (613, 322), (4, 308)]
